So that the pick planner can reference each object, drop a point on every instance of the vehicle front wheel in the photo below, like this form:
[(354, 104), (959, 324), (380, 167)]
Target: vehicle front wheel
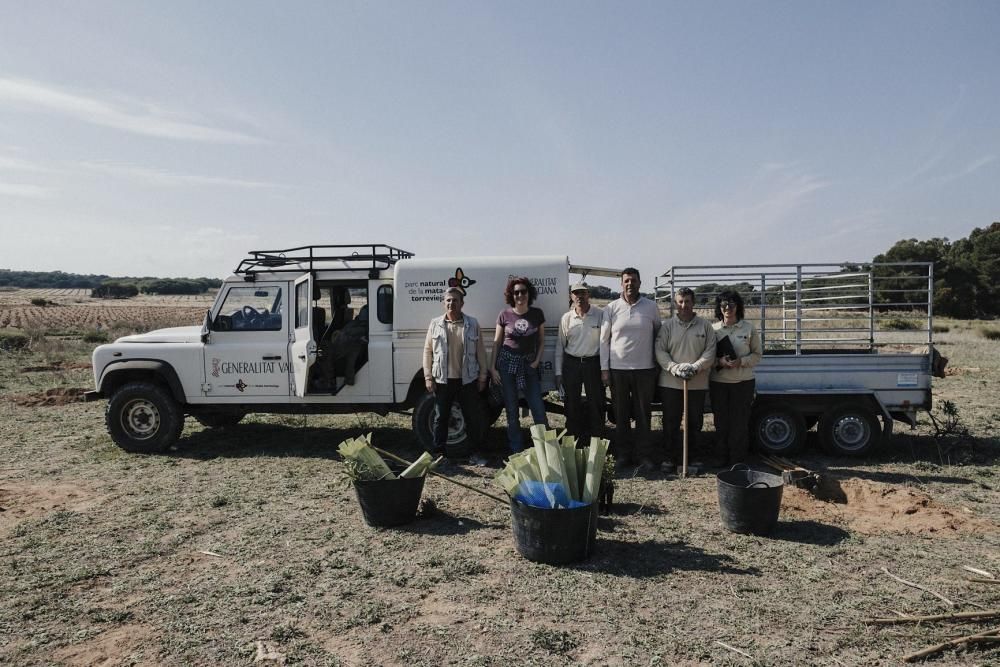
[(777, 429), (459, 443), (143, 417), (850, 429)]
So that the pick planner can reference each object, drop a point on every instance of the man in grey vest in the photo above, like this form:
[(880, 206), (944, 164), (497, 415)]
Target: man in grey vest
[(455, 369)]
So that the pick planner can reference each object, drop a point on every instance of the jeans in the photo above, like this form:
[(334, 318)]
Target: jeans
[(532, 396), (472, 409)]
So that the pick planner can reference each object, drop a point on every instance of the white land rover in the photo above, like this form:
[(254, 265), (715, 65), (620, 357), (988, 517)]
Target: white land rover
[(314, 329)]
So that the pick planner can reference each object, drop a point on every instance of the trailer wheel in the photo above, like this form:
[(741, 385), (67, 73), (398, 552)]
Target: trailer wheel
[(850, 429), (459, 443), (777, 428), (143, 418)]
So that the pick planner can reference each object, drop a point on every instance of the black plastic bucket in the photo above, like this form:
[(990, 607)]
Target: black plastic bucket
[(389, 502), (554, 536), (749, 501)]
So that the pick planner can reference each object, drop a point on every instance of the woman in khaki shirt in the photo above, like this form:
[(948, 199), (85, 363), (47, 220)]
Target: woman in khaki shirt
[(731, 384)]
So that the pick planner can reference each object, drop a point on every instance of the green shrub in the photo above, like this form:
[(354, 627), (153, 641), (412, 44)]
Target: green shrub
[(989, 333), (898, 324), (114, 290), (39, 301), (96, 336), (13, 339)]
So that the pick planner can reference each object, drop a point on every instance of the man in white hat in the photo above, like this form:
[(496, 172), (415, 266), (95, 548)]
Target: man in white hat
[(578, 365)]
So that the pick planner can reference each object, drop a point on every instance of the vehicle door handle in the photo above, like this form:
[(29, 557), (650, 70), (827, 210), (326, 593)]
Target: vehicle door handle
[(276, 357), (302, 356)]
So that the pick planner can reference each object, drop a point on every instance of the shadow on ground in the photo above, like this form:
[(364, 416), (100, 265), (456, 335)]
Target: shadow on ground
[(809, 532), (654, 558), (251, 440), (896, 477)]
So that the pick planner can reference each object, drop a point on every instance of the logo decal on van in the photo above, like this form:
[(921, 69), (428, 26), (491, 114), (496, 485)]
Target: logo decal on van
[(461, 281)]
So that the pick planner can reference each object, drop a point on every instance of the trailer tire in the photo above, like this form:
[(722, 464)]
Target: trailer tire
[(849, 429), (459, 443), (777, 428), (143, 418)]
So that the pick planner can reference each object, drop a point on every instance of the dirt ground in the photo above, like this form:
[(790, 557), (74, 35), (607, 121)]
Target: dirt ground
[(246, 546)]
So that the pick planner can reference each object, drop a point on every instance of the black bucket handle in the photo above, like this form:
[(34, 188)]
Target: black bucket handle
[(739, 466), (766, 485)]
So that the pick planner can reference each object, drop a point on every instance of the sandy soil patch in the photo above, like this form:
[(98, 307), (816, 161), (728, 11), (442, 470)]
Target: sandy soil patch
[(50, 397), (107, 648), (20, 501), (872, 507)]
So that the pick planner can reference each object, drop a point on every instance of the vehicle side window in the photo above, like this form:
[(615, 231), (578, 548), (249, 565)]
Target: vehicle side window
[(251, 309), (302, 304), (384, 304)]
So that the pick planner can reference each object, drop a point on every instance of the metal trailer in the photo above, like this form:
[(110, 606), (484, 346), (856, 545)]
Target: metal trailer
[(846, 346)]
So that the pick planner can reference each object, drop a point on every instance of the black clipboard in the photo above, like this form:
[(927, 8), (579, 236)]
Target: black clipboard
[(724, 348)]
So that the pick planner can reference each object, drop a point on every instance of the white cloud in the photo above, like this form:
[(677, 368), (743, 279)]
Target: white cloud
[(128, 116), (163, 178), (17, 164), (771, 196), (25, 190), (970, 169)]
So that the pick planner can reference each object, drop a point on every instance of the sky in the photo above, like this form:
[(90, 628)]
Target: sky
[(169, 138)]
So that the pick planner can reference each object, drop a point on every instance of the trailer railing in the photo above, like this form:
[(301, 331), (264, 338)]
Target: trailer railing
[(815, 308)]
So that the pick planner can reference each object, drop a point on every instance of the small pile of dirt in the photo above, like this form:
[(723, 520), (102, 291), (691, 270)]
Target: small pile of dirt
[(872, 507), (57, 396)]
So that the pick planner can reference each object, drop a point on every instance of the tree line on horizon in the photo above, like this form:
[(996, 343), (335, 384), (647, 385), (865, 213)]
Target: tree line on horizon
[(103, 286)]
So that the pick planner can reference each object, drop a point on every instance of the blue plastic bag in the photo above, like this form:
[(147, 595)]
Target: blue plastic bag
[(546, 495)]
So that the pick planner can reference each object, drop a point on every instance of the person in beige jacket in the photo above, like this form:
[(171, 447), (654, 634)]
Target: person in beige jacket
[(732, 383), (685, 351)]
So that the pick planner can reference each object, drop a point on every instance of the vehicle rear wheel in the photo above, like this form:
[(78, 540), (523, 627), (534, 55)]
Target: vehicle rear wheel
[(144, 418), (777, 428), (219, 419), (850, 429), (459, 443), (494, 402)]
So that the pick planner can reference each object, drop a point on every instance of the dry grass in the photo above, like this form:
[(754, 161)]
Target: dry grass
[(246, 542)]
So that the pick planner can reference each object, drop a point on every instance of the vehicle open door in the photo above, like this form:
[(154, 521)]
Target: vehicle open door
[(302, 347)]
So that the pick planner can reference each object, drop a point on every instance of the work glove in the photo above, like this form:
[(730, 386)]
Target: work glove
[(688, 371)]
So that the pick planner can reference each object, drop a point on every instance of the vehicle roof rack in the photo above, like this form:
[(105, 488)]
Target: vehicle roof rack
[(373, 258)]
